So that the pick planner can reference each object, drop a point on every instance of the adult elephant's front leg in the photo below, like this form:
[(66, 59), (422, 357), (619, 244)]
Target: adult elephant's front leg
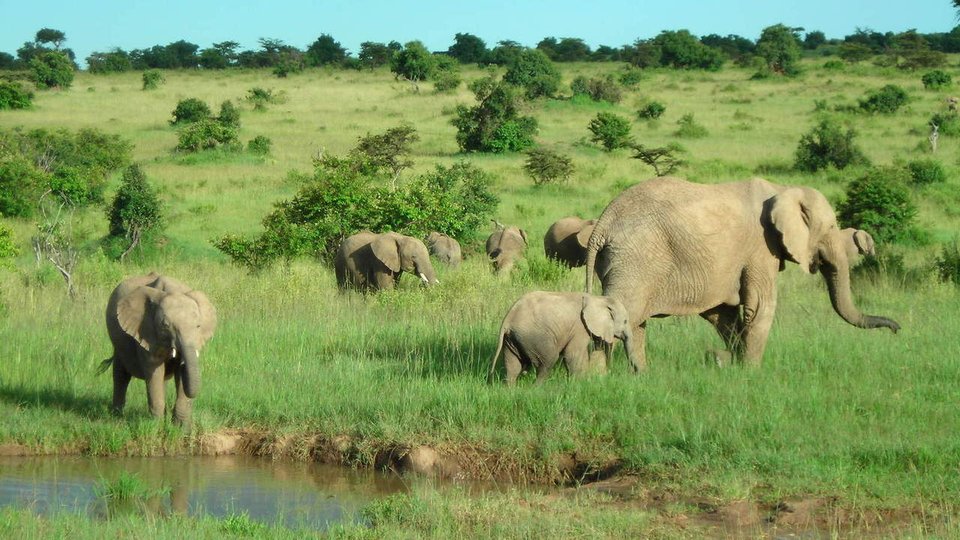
[(759, 305), (183, 407), (155, 398)]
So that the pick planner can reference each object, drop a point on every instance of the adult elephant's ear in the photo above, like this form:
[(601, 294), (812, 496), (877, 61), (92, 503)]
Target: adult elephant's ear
[(791, 219), (386, 251), (597, 318), (208, 314), (583, 236), (135, 314), (523, 234)]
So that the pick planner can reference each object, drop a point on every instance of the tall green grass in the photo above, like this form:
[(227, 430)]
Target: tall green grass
[(865, 416)]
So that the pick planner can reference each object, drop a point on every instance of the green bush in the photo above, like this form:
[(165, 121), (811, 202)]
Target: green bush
[(886, 100), (598, 88), (548, 167), (14, 96), (446, 76), (828, 144), (651, 110), (689, 128), (579, 86), (136, 213), (52, 69), (261, 97), (533, 71), (259, 145), (205, 135), (21, 185), (610, 130), (631, 77), (926, 171), (494, 124), (948, 124), (152, 79), (879, 202), (8, 249), (936, 79), (229, 115), (948, 263), (341, 199), (190, 110)]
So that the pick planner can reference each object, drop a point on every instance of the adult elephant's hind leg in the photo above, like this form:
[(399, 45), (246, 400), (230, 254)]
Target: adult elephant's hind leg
[(726, 320)]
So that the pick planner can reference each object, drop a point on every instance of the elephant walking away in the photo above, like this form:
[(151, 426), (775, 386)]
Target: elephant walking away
[(671, 247), (566, 240), (543, 326), (445, 249), (505, 247), (370, 262), (157, 326)]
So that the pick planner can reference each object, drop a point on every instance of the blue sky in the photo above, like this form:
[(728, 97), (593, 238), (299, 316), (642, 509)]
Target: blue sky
[(100, 25)]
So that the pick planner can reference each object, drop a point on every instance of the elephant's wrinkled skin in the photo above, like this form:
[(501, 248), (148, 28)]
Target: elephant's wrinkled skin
[(671, 247), (370, 262), (505, 247), (566, 240), (445, 249), (543, 326), (157, 326)]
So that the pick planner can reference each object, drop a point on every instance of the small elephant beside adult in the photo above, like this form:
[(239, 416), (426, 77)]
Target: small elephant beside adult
[(858, 242), (542, 327), (369, 262), (506, 246), (157, 326), (445, 249), (566, 240), (671, 247)]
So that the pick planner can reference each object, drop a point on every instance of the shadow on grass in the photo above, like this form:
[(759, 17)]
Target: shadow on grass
[(83, 405), (438, 356)]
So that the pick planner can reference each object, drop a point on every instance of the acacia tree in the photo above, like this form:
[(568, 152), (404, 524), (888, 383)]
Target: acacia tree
[(414, 63), (780, 47), (49, 35)]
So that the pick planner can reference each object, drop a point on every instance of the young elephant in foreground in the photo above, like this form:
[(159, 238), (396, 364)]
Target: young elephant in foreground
[(157, 326), (543, 326)]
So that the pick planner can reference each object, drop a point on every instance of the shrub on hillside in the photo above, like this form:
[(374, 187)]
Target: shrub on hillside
[(259, 145), (446, 76), (879, 202), (136, 213), (936, 79), (190, 110), (548, 167), (533, 71), (926, 171), (261, 97), (8, 249), (688, 128), (494, 124), (886, 100), (52, 69), (229, 115), (14, 96), (948, 263), (610, 130), (152, 79), (206, 134), (21, 185), (651, 110), (948, 124), (828, 144), (597, 88)]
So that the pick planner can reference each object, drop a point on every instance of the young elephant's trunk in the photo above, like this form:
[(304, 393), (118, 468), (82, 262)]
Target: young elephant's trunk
[(631, 350), (190, 371)]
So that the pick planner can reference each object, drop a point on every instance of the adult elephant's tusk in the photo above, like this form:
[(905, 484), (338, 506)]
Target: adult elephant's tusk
[(424, 278)]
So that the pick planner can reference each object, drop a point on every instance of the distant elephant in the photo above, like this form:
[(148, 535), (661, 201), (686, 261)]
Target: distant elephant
[(445, 249), (369, 262), (566, 240), (157, 326), (543, 326), (505, 247), (671, 247), (858, 242)]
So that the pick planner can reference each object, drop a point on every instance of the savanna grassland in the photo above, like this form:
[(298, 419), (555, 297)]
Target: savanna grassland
[(860, 425)]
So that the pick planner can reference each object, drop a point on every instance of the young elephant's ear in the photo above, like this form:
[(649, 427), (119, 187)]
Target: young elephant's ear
[(135, 315), (597, 318), (790, 218), (386, 251), (208, 314), (864, 242), (583, 236)]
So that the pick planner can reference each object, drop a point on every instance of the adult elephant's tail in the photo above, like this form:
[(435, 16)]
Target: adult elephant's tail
[(105, 365), (493, 361)]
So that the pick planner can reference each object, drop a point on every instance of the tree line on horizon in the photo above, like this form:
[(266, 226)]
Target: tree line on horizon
[(670, 48)]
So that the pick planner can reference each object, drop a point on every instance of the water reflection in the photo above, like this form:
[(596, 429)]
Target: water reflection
[(293, 494)]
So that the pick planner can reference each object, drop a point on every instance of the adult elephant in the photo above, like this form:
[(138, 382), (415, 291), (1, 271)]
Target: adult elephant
[(671, 247), (157, 326), (566, 240), (369, 262), (505, 247)]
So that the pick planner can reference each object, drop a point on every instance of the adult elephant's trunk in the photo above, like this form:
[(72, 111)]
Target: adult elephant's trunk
[(190, 371), (836, 273)]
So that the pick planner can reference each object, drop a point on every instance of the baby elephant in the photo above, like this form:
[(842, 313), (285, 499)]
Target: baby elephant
[(445, 249), (157, 326), (543, 326), (505, 247), (858, 242)]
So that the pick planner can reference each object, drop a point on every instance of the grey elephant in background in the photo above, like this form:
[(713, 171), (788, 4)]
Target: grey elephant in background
[(858, 242), (370, 262), (566, 240), (543, 326), (445, 249), (505, 247), (671, 247), (157, 326)]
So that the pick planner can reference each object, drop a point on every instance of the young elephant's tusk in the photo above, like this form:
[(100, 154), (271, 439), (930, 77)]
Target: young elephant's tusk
[(173, 352)]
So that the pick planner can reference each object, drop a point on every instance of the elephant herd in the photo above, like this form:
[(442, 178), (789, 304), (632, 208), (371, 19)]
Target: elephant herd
[(663, 247)]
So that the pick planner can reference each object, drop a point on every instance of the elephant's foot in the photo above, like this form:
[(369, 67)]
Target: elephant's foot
[(718, 357)]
